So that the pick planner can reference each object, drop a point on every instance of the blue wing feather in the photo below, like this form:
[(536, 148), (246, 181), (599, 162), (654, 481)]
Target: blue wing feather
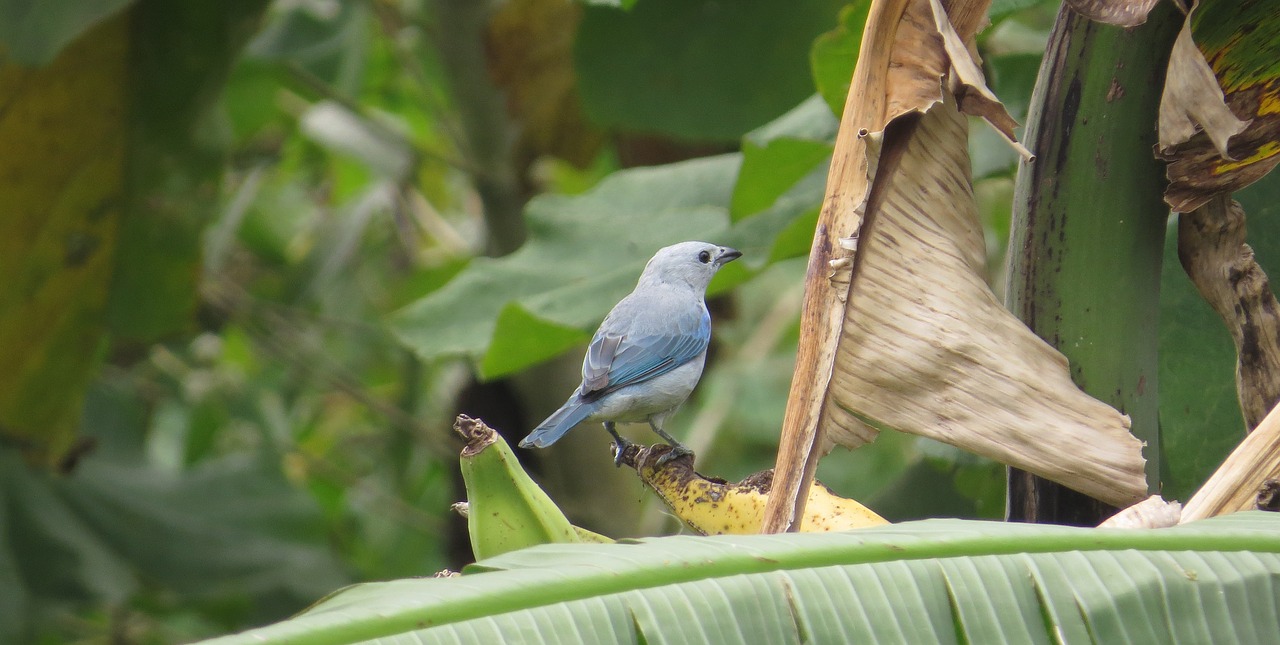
[(638, 358)]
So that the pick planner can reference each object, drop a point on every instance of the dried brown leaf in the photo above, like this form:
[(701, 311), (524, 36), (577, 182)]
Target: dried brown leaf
[(1151, 513), (1193, 101), (1246, 471), (1123, 13), (927, 348), (906, 334), (1218, 118), (970, 86)]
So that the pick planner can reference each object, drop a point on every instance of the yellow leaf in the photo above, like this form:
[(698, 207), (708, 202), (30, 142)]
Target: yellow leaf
[(61, 175)]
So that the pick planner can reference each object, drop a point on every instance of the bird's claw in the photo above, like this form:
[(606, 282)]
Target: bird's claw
[(620, 445), (677, 451)]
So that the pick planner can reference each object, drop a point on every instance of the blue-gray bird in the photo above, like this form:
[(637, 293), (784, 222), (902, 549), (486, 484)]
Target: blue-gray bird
[(647, 356)]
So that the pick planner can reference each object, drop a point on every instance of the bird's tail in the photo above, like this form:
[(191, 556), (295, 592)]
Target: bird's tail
[(561, 421)]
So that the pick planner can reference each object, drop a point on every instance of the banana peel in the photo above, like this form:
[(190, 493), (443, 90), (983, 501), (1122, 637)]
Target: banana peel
[(506, 510), (584, 535), (713, 506)]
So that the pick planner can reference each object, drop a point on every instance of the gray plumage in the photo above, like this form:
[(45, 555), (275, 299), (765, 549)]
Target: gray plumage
[(647, 355)]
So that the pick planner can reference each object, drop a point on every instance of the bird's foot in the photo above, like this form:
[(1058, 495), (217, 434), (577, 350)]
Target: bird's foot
[(620, 445), (677, 451)]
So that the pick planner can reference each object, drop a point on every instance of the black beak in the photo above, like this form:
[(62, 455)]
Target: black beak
[(727, 255)]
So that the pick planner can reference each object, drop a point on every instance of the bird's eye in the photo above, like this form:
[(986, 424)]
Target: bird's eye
[(704, 257)]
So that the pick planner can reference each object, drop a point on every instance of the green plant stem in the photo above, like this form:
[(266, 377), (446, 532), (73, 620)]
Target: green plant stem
[(1088, 230)]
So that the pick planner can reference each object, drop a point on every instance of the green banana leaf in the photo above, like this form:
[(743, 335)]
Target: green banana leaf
[(948, 581)]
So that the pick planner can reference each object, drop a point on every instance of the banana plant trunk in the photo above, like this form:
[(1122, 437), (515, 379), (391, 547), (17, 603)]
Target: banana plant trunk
[(1088, 229)]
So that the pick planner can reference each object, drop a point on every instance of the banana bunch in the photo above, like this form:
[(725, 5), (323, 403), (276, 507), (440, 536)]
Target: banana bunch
[(505, 509), (714, 506)]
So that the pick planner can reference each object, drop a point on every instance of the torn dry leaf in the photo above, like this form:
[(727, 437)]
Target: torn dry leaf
[(927, 348), (1237, 482), (970, 86), (1122, 13), (916, 341), (1218, 121), (1151, 513), (1192, 100)]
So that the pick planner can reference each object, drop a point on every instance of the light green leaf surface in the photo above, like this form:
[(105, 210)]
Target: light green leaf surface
[(835, 53), (947, 581), (770, 170)]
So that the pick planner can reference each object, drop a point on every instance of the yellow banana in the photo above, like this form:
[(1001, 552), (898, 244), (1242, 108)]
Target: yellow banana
[(716, 507), (506, 509)]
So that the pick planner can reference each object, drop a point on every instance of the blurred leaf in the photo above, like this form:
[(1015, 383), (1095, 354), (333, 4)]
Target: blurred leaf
[(15, 600), (327, 40), (784, 230), (33, 32), (835, 53), (772, 169), (1200, 419), (526, 339), (64, 133), (779, 189), (231, 531), (60, 558), (701, 70), (229, 527), (338, 128), (530, 48), (1012, 76), (811, 120), (925, 488), (870, 472), (1000, 9), (277, 219), (250, 98), (621, 4), (584, 253), (182, 53)]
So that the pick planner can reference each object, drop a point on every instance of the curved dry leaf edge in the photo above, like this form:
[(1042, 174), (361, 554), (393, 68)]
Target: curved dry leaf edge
[(1210, 149), (1193, 101), (904, 69), (1242, 477), (928, 349), (1122, 13)]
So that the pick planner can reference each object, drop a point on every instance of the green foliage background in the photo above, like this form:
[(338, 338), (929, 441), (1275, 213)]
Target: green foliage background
[(295, 285)]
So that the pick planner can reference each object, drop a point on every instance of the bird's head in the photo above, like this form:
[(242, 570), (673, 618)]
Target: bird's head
[(692, 263)]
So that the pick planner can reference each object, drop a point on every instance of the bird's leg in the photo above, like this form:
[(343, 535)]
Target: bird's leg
[(620, 443), (677, 449)]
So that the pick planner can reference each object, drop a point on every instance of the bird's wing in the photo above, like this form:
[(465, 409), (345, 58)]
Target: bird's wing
[(617, 360), (600, 355)]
